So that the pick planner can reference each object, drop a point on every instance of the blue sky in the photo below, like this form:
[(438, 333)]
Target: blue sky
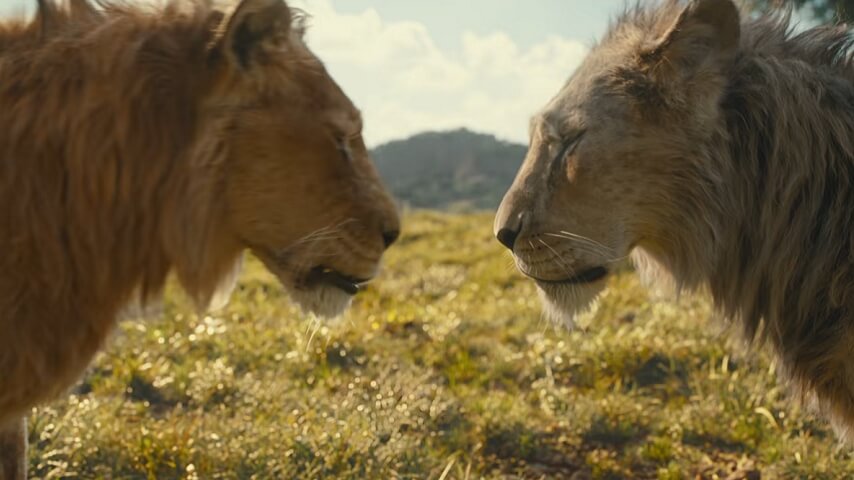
[(526, 22), (486, 65)]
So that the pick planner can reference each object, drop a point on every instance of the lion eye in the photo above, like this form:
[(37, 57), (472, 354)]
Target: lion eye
[(561, 161), (569, 147), (573, 144), (343, 146)]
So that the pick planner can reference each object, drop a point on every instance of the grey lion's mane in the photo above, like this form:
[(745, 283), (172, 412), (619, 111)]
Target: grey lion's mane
[(771, 201)]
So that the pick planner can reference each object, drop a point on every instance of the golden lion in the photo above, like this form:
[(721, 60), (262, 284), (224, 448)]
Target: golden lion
[(720, 153), (136, 141)]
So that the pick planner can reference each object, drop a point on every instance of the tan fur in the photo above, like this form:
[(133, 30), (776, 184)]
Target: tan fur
[(13, 448), (720, 154), (137, 141)]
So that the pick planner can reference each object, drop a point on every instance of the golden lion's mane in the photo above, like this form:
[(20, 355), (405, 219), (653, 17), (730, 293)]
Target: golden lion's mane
[(100, 113), (109, 178)]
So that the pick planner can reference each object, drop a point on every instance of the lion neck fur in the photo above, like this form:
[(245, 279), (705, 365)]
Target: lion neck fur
[(106, 157), (764, 218)]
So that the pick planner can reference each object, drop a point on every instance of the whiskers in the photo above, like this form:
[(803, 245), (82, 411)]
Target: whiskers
[(542, 254), (314, 325), (584, 243), (557, 256), (550, 255), (327, 234)]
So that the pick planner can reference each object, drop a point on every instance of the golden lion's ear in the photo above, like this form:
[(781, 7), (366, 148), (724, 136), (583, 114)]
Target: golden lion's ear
[(47, 17), (253, 26), (82, 9), (707, 31), (51, 18)]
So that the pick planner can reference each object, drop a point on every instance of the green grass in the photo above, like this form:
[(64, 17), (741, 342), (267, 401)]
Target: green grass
[(443, 369)]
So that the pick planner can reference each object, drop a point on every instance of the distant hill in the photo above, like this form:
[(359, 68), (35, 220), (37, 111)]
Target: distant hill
[(456, 170)]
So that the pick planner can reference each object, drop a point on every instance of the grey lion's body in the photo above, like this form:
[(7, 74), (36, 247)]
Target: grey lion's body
[(719, 151), (784, 248)]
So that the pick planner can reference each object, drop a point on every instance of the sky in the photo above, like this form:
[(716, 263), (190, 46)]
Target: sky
[(417, 65), (487, 65)]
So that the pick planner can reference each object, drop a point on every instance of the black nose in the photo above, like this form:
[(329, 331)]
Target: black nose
[(390, 237), (507, 237)]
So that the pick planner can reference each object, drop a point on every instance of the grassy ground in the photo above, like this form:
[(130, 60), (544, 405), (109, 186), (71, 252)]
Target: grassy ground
[(443, 370)]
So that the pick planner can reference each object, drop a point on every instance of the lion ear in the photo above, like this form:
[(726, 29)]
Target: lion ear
[(707, 31), (82, 9), (254, 26), (47, 17)]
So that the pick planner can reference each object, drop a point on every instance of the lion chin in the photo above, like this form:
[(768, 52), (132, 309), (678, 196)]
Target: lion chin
[(567, 304), (324, 301)]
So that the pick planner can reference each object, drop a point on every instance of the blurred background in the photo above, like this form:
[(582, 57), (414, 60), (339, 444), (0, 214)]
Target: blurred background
[(445, 367)]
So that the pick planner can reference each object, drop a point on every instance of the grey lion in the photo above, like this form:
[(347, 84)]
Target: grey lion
[(718, 151)]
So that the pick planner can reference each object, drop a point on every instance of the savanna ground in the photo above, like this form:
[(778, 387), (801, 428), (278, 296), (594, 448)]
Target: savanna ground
[(444, 369)]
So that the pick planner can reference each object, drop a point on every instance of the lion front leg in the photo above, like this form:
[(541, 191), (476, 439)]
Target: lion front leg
[(13, 451)]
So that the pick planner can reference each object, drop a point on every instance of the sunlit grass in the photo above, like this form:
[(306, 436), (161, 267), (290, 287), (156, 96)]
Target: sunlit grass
[(443, 369)]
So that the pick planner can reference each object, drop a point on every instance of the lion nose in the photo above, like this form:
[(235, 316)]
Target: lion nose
[(390, 236), (512, 218), (507, 237), (509, 227)]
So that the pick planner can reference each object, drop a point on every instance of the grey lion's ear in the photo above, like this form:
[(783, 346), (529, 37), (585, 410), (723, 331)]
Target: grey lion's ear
[(252, 26), (706, 32)]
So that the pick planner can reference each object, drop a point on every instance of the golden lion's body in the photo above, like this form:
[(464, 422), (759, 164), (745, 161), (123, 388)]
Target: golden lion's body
[(84, 166), (136, 142)]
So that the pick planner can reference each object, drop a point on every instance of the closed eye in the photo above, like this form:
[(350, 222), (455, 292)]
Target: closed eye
[(343, 145), (570, 146), (558, 164)]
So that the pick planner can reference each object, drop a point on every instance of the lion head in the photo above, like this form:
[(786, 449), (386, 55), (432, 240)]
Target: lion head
[(297, 184), (613, 163)]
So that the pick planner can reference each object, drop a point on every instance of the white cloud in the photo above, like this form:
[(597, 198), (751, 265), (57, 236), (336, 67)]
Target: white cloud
[(404, 83)]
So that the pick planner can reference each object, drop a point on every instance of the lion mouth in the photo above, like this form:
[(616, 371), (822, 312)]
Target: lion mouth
[(590, 275), (322, 275)]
